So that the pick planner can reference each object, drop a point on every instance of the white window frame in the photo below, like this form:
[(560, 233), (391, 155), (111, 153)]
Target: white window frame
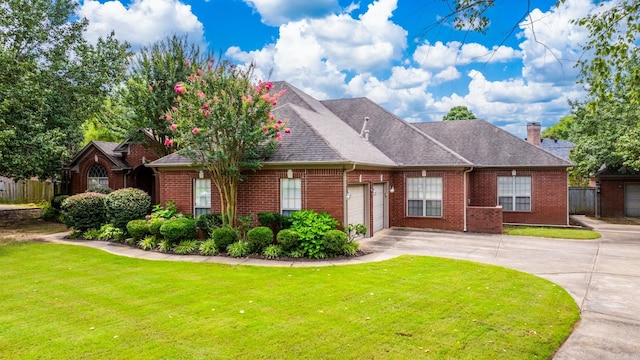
[(290, 195), (95, 182), (514, 193), (201, 197), (429, 192)]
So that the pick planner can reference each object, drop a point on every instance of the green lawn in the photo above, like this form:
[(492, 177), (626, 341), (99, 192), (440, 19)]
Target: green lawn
[(552, 232), (72, 302)]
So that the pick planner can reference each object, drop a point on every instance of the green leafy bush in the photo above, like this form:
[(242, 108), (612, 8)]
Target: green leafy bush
[(110, 232), (57, 200), (238, 249), (169, 211), (244, 225), (138, 229), (288, 240), (334, 241), (208, 248), (208, 222), (91, 234), (355, 230), (85, 211), (259, 238), (275, 221), (224, 237), (101, 190), (272, 251), (49, 213), (165, 245), (350, 248), (297, 253), (178, 229), (311, 227), (186, 247), (148, 243), (154, 225), (125, 205)]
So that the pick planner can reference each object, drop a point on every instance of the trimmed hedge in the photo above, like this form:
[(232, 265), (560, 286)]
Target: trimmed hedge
[(138, 229), (175, 230), (335, 241), (208, 222), (57, 200), (127, 204), (259, 238), (224, 236), (288, 240), (85, 211)]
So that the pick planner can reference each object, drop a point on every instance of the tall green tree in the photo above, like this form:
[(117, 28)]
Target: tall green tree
[(223, 123), (51, 81), (459, 113), (149, 90), (561, 130), (111, 123)]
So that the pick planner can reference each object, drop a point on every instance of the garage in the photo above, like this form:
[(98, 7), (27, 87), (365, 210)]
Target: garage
[(379, 207), (632, 199), (356, 204)]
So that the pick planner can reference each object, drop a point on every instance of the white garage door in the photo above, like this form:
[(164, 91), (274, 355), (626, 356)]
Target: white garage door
[(356, 205), (379, 207), (632, 199)]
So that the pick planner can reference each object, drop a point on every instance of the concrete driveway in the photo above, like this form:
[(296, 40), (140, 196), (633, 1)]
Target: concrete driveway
[(603, 276)]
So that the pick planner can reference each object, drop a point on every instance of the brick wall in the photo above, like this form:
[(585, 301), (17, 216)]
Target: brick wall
[(549, 190), (612, 196), (452, 202), (484, 219), (79, 179)]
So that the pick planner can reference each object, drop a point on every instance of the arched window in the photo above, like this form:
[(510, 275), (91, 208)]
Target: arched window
[(97, 177)]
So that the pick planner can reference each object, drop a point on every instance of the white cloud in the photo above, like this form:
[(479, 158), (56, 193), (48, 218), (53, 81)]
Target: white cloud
[(454, 53), (142, 22), (278, 12)]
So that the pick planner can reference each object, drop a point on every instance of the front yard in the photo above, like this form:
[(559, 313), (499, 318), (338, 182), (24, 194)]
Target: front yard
[(74, 302)]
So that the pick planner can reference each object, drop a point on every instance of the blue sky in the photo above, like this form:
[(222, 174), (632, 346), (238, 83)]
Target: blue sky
[(401, 54)]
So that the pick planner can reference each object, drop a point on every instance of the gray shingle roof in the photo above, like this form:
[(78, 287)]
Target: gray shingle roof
[(559, 148), (395, 137), (487, 145), (107, 149)]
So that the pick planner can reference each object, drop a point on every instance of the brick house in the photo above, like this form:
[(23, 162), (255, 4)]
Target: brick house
[(362, 164), (111, 165), (617, 192)]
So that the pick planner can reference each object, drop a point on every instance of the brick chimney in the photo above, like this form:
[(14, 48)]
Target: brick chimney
[(533, 133)]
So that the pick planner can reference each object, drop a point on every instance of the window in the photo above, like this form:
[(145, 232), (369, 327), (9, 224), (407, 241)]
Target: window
[(201, 197), (290, 196), (514, 193), (97, 177), (424, 196)]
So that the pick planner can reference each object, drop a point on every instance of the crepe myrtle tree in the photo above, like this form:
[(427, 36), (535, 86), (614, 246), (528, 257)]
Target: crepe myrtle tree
[(222, 121)]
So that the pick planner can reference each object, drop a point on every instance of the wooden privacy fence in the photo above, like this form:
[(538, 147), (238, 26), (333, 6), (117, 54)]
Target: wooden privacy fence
[(25, 191), (582, 201)]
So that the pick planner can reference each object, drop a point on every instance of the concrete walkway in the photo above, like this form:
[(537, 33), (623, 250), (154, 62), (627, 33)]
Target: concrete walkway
[(603, 276)]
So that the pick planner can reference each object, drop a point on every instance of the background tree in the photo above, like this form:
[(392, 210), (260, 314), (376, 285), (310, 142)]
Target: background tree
[(561, 130), (111, 123), (459, 113), (149, 90), (51, 81), (223, 122)]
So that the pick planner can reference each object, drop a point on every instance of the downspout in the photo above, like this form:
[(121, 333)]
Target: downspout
[(464, 191), (344, 195)]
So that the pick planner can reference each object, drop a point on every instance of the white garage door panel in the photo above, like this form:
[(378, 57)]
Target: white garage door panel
[(378, 207), (356, 204), (632, 199)]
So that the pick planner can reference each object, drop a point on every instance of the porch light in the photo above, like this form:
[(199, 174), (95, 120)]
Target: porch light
[(201, 174), (289, 174), (392, 189), (95, 158), (348, 194), (513, 172)]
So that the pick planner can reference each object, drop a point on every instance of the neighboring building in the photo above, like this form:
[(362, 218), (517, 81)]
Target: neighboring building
[(617, 192), (111, 165), (558, 147), (362, 164)]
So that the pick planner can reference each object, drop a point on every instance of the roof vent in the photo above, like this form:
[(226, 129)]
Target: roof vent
[(364, 126)]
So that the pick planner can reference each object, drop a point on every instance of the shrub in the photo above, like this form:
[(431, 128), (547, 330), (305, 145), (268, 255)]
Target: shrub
[(169, 211), (244, 225), (125, 205), (288, 239), (238, 249), (355, 231), (272, 251), (186, 247), (334, 241), (102, 190), (85, 211), (154, 226), (224, 237), (311, 227), (165, 245), (350, 248), (91, 234), (57, 200), (259, 238), (148, 243), (208, 222), (178, 229), (49, 213), (208, 248), (110, 232), (274, 221), (297, 253), (138, 229)]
